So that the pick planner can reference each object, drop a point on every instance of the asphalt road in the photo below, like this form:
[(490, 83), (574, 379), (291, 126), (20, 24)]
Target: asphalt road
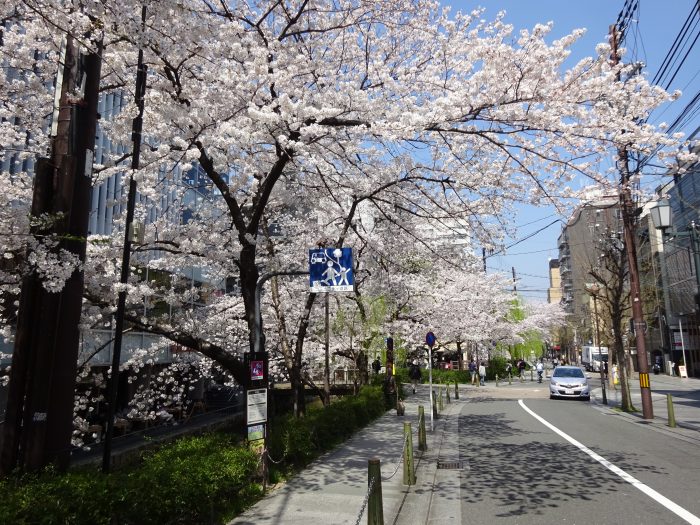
[(517, 470)]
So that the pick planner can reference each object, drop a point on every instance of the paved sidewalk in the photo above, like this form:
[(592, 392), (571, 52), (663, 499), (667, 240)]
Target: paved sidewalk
[(685, 394), (333, 488)]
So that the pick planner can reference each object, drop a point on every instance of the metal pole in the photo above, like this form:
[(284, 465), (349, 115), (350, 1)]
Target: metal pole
[(600, 354), (696, 261), (430, 382), (326, 363), (137, 127), (680, 325)]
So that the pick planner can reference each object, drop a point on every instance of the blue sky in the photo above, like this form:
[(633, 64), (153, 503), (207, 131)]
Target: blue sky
[(650, 36)]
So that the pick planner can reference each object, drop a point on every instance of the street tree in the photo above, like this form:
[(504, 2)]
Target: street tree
[(403, 108)]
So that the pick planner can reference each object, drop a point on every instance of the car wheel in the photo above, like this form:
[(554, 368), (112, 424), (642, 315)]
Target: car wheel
[(587, 398), (551, 396)]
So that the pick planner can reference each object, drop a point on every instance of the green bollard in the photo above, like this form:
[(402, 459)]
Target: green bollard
[(441, 406), (375, 507), (422, 441), (671, 414), (447, 395), (409, 471), (496, 379), (456, 390)]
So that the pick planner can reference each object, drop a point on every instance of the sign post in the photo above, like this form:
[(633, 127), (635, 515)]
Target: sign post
[(256, 364), (430, 341)]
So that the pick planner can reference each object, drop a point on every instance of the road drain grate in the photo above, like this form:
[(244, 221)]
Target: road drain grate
[(450, 465)]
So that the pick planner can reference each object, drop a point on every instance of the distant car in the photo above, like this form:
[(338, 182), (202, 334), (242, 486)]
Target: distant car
[(569, 381)]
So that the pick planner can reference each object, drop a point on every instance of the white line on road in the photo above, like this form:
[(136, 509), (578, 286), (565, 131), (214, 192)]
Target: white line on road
[(670, 505)]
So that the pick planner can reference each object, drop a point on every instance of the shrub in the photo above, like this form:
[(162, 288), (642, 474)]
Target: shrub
[(297, 441), (76, 497), (193, 480)]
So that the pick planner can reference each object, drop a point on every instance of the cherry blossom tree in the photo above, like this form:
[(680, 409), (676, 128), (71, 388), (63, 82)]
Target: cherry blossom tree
[(401, 112)]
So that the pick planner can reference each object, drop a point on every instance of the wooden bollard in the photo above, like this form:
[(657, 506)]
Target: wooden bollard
[(435, 407), (496, 379), (671, 413), (375, 506), (409, 471), (422, 441), (456, 390), (447, 394)]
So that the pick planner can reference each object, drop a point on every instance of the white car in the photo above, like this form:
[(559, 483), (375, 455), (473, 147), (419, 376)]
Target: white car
[(569, 381)]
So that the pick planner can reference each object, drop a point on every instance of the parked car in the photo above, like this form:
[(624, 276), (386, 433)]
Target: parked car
[(569, 381)]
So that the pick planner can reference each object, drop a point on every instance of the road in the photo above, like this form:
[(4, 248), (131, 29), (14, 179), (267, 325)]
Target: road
[(517, 470)]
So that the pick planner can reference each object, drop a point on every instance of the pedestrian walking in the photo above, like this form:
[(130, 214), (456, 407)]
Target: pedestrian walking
[(482, 373), (521, 369), (414, 374), (509, 369), (376, 366), (472, 371), (540, 370)]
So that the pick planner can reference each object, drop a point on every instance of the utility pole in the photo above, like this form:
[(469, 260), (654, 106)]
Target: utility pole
[(113, 386), (628, 219), (39, 418)]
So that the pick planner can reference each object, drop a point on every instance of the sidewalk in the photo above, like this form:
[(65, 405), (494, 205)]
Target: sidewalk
[(686, 401), (333, 488)]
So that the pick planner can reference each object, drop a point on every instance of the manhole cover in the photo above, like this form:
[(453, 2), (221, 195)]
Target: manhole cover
[(450, 465)]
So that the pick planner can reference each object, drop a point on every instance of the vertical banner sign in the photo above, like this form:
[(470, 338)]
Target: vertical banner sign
[(256, 364), (331, 270)]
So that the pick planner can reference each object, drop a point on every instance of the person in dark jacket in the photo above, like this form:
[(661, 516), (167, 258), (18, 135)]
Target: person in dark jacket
[(414, 374)]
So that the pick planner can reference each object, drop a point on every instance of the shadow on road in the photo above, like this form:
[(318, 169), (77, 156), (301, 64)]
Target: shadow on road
[(528, 475)]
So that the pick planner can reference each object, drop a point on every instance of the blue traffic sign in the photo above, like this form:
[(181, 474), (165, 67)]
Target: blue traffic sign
[(430, 339), (330, 270)]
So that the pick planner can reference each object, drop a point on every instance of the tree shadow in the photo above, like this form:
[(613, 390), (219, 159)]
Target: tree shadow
[(530, 476)]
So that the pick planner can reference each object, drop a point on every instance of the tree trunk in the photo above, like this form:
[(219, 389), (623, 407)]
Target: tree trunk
[(621, 358)]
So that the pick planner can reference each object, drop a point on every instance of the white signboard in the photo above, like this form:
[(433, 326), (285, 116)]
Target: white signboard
[(257, 406), (682, 371)]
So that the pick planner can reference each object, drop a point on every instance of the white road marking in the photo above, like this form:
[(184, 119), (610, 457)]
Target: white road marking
[(663, 500)]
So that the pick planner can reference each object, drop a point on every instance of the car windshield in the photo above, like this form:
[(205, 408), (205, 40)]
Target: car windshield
[(567, 372)]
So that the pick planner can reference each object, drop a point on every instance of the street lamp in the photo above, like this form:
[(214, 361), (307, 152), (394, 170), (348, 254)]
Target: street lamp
[(662, 218), (594, 290)]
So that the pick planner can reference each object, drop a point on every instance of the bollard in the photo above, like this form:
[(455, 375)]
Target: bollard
[(422, 441), (532, 377), (509, 378), (375, 507), (456, 390), (671, 414), (400, 406), (441, 406), (409, 471), (447, 394), (496, 379)]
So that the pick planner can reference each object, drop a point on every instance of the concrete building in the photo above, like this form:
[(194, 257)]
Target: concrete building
[(554, 291), (581, 243)]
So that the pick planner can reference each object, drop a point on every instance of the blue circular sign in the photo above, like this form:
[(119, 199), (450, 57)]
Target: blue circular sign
[(430, 339)]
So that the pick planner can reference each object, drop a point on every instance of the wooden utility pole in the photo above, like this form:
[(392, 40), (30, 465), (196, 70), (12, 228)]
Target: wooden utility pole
[(39, 417), (628, 219)]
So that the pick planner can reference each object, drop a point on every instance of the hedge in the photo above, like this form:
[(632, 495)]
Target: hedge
[(199, 479)]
